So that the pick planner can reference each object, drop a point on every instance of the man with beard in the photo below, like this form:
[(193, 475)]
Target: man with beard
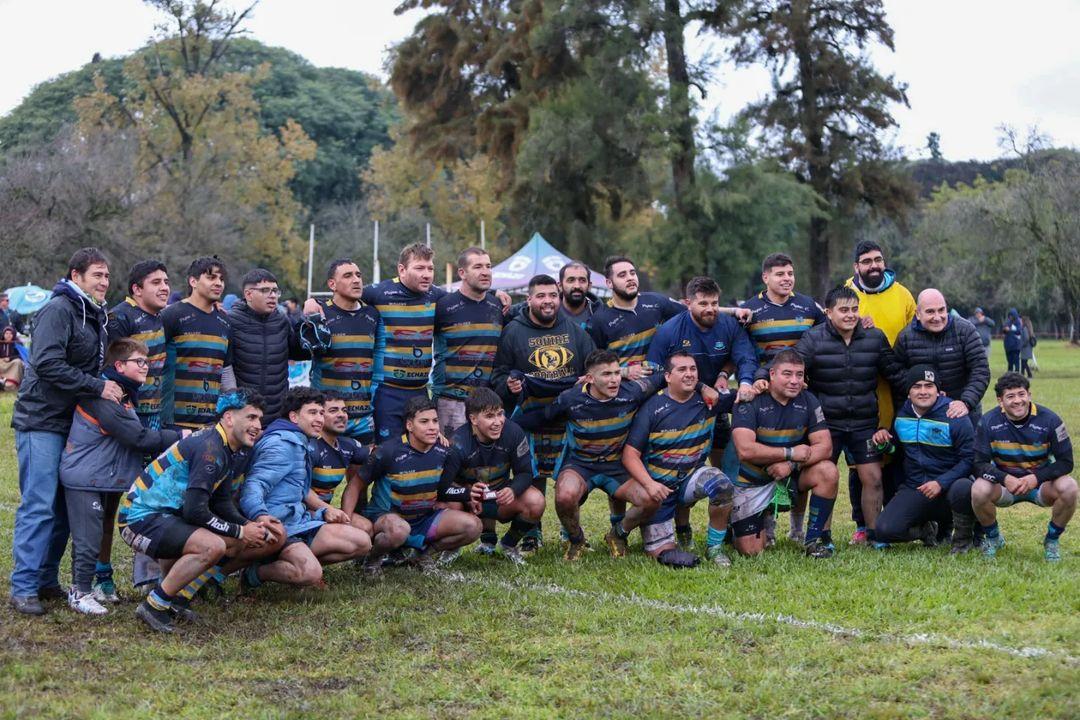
[(575, 286), (541, 353), (197, 362), (887, 305), (468, 323)]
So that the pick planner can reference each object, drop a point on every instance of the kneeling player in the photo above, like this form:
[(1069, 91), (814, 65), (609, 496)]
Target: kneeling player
[(598, 415), (180, 510), (1022, 454), (483, 454), (665, 453), (781, 436), (277, 486), (404, 477), (335, 457)]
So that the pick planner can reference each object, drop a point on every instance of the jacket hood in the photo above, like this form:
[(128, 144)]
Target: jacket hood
[(1014, 313), (87, 304), (887, 280), (287, 429)]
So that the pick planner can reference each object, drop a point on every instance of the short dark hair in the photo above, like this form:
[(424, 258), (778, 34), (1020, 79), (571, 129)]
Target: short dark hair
[(1010, 381), (334, 395), (254, 277), (838, 293), (702, 286), (298, 397), (774, 260), (864, 246), (540, 279), (600, 357), (463, 258), (789, 356), (417, 405), (331, 269), (669, 364), (142, 270), (481, 399), (611, 261), (573, 264), (206, 266), (83, 258), (122, 349), (418, 251)]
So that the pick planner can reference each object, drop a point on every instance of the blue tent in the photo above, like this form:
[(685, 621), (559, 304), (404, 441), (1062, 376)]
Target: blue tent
[(27, 299), (536, 256)]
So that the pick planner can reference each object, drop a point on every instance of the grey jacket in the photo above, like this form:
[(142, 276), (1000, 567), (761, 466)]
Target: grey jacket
[(106, 446)]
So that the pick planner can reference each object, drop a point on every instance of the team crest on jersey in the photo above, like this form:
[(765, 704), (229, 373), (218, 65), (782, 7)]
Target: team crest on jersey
[(720, 345), (551, 358)]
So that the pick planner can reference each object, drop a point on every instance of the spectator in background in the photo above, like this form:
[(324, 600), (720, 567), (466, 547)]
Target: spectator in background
[(291, 307), (8, 317), (1014, 339), (11, 360), (985, 326), (1027, 348)]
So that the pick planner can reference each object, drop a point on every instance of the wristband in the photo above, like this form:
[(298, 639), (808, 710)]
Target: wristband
[(787, 454)]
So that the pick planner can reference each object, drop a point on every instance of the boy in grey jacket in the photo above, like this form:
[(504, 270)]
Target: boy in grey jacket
[(103, 455)]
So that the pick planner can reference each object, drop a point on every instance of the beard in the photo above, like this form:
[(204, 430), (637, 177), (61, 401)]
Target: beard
[(575, 298), (624, 294), (871, 278)]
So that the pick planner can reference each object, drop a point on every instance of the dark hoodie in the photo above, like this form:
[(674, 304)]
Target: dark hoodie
[(936, 447), (66, 354), (549, 359), (1014, 331)]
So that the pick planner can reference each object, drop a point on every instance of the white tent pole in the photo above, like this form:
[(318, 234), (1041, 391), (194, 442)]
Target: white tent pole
[(310, 257), (483, 241), (427, 231), (375, 270)]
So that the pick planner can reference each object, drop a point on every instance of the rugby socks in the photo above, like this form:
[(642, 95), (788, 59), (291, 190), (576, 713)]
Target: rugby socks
[(158, 599), (795, 521), (820, 511), (686, 531), (1053, 532), (619, 530), (488, 537), (616, 519), (577, 540), (193, 587), (251, 575), (991, 531), (516, 531), (103, 572), (715, 537)]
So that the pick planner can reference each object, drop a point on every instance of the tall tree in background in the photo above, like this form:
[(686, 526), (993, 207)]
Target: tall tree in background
[(828, 108)]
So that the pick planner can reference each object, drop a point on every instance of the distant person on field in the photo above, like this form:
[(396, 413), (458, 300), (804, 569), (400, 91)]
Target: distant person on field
[(1013, 339), (9, 317), (1027, 348), (985, 325), (11, 360)]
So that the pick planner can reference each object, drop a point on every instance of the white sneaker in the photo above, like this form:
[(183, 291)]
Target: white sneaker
[(85, 603)]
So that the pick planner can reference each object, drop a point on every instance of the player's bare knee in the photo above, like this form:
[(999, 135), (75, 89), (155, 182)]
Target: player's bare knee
[(1066, 489), (982, 491), (311, 573)]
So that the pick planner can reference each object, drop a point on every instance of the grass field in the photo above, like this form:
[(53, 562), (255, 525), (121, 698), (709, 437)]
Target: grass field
[(909, 633)]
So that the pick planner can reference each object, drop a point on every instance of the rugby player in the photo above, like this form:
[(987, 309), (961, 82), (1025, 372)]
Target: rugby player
[(334, 458)]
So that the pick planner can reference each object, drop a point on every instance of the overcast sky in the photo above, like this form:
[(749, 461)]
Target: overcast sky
[(970, 65)]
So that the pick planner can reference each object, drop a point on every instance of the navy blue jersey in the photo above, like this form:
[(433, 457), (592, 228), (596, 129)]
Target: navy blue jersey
[(774, 327), (406, 328), (596, 429), (713, 348), (196, 353), (329, 464), (347, 368), (404, 480), (1038, 445), (471, 461), (675, 438), (466, 339), (129, 320), (777, 425), (628, 333)]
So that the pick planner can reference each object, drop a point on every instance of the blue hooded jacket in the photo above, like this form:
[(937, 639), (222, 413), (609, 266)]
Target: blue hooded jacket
[(279, 478), (1014, 331), (936, 447)]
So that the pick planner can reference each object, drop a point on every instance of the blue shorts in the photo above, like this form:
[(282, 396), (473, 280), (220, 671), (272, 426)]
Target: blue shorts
[(608, 477), (422, 530), (389, 403), (304, 536), (681, 496)]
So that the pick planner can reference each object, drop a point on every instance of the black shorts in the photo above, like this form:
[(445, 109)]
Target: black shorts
[(307, 536), (161, 536), (857, 446), (751, 525)]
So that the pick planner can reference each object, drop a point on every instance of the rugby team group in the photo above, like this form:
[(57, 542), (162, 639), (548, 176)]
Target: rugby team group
[(433, 417)]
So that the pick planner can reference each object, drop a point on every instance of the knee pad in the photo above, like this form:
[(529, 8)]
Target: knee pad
[(710, 482), (658, 535)]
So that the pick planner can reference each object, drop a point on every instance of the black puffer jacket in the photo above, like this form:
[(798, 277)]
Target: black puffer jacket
[(844, 376), (66, 353), (261, 346), (956, 353)]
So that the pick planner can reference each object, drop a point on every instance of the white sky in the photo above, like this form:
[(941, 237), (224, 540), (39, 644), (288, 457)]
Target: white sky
[(970, 65)]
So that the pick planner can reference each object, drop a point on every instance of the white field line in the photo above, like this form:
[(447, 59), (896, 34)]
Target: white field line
[(757, 618)]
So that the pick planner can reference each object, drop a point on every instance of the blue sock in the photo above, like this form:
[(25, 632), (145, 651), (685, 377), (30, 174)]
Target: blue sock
[(616, 518), (1053, 532), (715, 537), (819, 512), (159, 599), (251, 575), (991, 531), (102, 572)]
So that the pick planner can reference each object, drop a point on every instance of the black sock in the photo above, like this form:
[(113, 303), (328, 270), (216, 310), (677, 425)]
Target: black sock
[(489, 537), (516, 531)]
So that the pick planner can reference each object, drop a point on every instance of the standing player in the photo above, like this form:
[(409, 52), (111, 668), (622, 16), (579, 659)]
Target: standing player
[(468, 322), (405, 474), (781, 436), (1022, 454), (483, 456), (346, 368), (577, 302), (197, 354), (335, 457), (665, 453)]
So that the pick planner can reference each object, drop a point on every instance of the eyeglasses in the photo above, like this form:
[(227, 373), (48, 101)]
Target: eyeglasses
[(140, 362), (872, 261), (271, 291)]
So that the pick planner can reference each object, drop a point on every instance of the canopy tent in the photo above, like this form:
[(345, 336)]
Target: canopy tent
[(27, 299), (535, 257)]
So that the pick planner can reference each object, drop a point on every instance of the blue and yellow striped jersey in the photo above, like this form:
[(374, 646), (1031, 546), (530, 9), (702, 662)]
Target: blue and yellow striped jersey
[(466, 340), (471, 461), (329, 464), (404, 480), (348, 368), (1038, 445), (627, 333), (196, 353), (778, 425), (773, 327), (406, 327), (597, 429), (675, 438), (129, 320)]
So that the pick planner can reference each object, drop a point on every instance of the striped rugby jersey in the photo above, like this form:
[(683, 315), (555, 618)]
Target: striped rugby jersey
[(471, 461), (329, 464), (406, 328), (404, 480), (776, 425), (774, 327), (1038, 445), (597, 429), (674, 437), (466, 340), (196, 352), (129, 320), (628, 333), (348, 367)]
